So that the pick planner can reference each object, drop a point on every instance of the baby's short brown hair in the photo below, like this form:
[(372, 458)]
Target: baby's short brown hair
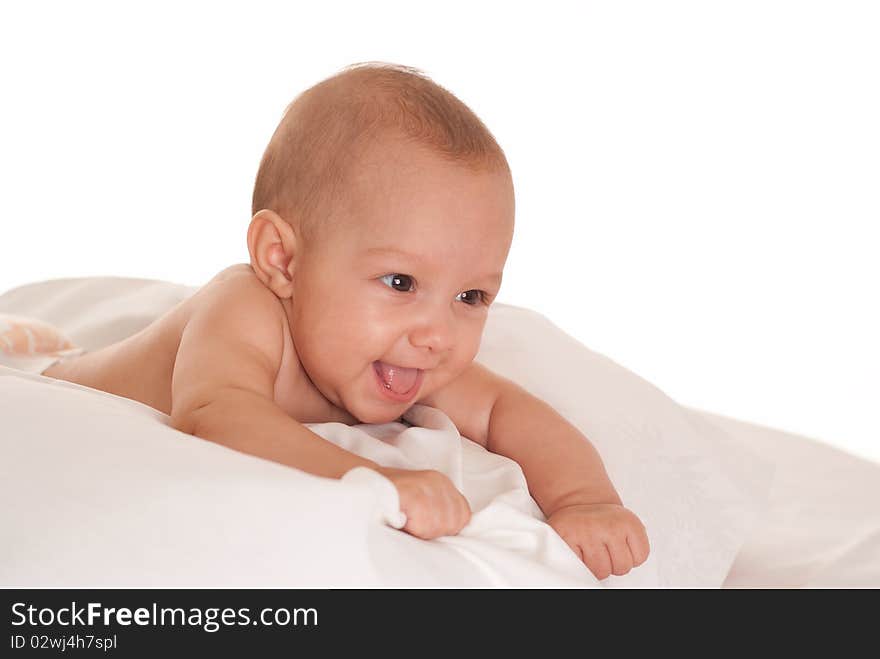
[(326, 129)]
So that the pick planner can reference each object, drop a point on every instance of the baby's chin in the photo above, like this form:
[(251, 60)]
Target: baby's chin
[(377, 416)]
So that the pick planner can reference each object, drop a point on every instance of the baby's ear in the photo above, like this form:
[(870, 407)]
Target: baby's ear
[(271, 244)]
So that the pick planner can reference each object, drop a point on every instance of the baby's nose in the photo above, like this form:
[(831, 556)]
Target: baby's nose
[(434, 330)]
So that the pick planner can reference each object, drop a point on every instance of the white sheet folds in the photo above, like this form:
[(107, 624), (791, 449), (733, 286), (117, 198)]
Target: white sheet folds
[(111, 494), (107, 494)]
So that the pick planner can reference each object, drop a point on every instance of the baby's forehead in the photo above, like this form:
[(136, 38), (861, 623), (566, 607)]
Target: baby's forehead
[(414, 200)]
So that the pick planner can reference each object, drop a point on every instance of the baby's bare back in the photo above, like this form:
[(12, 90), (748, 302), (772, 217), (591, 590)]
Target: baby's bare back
[(141, 367)]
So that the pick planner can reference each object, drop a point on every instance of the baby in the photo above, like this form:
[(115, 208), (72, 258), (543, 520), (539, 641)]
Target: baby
[(383, 213)]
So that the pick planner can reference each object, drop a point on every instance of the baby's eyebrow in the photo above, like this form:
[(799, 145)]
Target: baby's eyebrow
[(412, 258), (391, 250)]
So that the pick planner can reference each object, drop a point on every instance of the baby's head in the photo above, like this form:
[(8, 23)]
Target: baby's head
[(383, 215)]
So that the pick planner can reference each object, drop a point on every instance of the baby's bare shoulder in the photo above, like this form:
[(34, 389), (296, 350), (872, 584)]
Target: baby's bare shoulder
[(235, 307), (233, 339), (236, 286)]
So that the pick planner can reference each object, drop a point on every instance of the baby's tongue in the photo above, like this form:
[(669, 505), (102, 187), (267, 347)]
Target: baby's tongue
[(399, 380)]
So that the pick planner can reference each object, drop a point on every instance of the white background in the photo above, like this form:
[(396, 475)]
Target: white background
[(698, 183)]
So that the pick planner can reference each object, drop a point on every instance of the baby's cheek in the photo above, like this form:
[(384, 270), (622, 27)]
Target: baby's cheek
[(470, 354)]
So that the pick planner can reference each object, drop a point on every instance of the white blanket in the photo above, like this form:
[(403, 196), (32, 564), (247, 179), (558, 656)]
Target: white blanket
[(506, 543), (507, 537), (110, 495)]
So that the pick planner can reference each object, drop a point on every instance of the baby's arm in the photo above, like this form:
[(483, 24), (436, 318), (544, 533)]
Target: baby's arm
[(223, 390), (568, 480), (564, 472)]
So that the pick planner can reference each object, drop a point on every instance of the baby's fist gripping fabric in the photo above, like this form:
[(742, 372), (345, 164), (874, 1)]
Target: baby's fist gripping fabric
[(387, 499)]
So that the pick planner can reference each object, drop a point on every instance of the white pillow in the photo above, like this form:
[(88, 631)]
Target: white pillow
[(697, 491)]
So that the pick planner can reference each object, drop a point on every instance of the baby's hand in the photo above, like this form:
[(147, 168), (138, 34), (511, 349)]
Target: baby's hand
[(608, 538), (432, 504)]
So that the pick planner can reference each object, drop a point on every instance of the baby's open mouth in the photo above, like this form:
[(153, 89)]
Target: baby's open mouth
[(398, 379)]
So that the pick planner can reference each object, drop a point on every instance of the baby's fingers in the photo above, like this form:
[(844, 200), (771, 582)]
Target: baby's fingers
[(456, 512), (597, 558), (463, 513), (621, 557), (575, 547), (444, 513), (427, 523), (638, 546)]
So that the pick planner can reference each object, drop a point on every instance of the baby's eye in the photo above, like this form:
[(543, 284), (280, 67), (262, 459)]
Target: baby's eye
[(476, 298), (395, 280)]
